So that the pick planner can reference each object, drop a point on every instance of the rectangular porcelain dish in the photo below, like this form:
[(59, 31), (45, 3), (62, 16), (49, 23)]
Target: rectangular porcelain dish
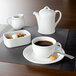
[(10, 43)]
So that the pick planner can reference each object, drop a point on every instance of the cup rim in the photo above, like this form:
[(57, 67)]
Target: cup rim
[(18, 16), (33, 41)]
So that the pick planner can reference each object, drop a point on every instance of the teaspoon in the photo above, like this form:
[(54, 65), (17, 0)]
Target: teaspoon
[(67, 55)]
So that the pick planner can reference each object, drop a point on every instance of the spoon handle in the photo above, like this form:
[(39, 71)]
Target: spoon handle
[(67, 55)]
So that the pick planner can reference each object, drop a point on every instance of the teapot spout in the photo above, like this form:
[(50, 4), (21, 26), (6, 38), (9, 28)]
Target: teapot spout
[(37, 17)]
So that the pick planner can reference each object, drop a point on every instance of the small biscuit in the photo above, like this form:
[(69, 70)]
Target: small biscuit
[(9, 37), (18, 34), (53, 57), (22, 35)]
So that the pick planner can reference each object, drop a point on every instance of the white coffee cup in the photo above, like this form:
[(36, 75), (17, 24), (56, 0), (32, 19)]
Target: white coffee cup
[(43, 52)]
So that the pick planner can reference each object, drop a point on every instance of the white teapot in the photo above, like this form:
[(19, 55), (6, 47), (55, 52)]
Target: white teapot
[(46, 20), (17, 22)]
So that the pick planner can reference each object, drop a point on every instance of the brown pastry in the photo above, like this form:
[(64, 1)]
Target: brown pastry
[(18, 34), (22, 35), (53, 57), (9, 37)]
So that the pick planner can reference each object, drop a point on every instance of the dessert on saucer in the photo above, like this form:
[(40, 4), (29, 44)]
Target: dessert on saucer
[(53, 57)]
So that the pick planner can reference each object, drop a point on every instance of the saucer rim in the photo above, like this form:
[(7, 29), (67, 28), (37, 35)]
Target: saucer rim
[(34, 61)]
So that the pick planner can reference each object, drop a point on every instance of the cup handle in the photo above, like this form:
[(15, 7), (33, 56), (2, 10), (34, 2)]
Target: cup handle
[(9, 20), (58, 46), (60, 15)]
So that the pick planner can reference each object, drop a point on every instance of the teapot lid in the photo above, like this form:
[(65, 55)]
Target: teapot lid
[(46, 9)]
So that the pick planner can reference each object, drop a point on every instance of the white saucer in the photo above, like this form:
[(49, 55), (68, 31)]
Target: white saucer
[(28, 54)]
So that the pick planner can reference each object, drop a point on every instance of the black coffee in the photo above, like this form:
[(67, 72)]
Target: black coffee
[(44, 43)]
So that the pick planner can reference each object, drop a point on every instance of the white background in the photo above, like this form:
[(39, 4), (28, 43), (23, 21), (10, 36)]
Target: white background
[(10, 8)]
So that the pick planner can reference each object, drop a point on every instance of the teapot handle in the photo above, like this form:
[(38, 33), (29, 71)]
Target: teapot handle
[(60, 15)]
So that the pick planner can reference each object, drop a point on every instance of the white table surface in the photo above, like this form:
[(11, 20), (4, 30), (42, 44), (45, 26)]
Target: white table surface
[(2, 26)]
